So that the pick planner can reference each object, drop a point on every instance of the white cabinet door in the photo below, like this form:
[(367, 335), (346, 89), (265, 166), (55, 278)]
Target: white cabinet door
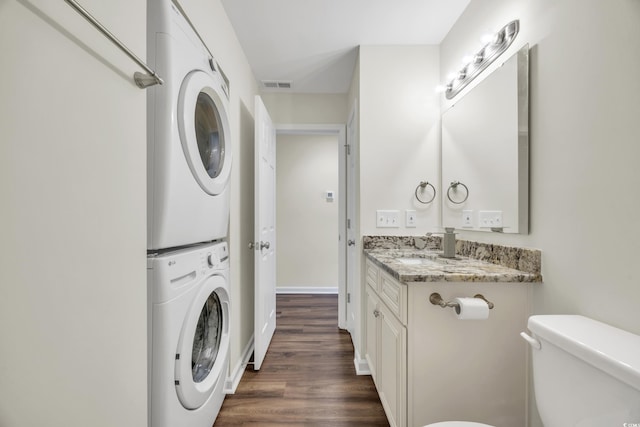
[(392, 367), (386, 354), (372, 332)]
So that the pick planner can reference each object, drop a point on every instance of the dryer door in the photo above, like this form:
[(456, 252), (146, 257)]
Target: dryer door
[(203, 347), (204, 130)]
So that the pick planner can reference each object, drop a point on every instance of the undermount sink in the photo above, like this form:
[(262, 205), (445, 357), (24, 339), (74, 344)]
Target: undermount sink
[(417, 261)]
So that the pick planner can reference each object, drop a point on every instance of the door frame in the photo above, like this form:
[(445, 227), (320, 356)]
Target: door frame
[(338, 130), (352, 289)]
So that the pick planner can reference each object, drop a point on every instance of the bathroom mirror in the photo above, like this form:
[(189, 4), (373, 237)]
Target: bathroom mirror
[(485, 153)]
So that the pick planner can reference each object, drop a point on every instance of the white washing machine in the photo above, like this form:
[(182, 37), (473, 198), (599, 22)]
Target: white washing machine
[(189, 144), (188, 335)]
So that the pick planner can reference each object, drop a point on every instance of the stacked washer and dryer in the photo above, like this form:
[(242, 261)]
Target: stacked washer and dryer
[(188, 172)]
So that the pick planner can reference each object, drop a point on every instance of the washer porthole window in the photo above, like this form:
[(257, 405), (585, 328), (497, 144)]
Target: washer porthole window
[(209, 135), (206, 340)]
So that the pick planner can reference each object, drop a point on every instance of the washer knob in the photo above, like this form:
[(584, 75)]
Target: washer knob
[(211, 260)]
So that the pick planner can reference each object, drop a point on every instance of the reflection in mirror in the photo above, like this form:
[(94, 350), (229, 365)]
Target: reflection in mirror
[(485, 146)]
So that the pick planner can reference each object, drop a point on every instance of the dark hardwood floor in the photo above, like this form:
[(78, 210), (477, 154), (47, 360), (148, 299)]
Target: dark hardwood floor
[(307, 377)]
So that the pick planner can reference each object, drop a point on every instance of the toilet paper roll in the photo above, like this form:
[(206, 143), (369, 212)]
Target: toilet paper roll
[(471, 309)]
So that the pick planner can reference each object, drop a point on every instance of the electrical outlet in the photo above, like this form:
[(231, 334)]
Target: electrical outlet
[(467, 219), (410, 218), (387, 219), (490, 218)]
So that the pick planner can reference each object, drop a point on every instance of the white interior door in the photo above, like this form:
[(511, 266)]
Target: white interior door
[(352, 293), (265, 228)]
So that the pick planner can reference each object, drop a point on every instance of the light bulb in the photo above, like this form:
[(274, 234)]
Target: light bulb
[(487, 38)]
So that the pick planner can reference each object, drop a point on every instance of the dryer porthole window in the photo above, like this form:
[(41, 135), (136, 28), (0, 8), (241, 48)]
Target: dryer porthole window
[(206, 340), (208, 134)]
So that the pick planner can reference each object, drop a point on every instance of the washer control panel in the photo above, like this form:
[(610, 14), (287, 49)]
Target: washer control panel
[(215, 257)]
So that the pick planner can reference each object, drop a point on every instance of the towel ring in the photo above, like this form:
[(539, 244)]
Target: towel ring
[(454, 186), (422, 185)]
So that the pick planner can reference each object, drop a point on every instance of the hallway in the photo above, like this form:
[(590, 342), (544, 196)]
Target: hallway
[(308, 377)]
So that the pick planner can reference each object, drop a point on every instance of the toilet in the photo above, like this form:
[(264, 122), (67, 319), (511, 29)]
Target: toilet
[(585, 373)]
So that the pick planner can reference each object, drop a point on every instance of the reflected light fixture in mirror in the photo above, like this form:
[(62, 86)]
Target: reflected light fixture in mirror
[(474, 64)]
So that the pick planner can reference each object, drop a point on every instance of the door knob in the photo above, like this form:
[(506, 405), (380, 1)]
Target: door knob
[(252, 246), (264, 245), (351, 242)]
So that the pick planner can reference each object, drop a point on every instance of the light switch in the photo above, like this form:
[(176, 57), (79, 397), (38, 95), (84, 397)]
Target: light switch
[(387, 219), (490, 218)]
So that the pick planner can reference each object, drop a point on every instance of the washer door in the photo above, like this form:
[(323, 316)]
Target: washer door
[(204, 131), (203, 345)]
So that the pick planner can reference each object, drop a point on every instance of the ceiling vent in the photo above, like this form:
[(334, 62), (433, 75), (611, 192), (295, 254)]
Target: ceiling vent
[(274, 84)]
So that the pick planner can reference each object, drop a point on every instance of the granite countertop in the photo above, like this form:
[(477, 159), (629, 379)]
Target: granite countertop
[(426, 265)]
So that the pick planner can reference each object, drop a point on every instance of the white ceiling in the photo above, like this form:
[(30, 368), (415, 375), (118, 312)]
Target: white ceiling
[(312, 43)]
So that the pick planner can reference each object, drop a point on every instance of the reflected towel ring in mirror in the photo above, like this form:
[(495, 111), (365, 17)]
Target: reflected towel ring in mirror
[(454, 186), (423, 185)]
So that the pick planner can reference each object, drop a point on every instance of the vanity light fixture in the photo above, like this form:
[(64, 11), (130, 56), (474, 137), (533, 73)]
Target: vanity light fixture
[(475, 64)]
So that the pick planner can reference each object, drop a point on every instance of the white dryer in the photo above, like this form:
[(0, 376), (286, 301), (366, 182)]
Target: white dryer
[(188, 335), (189, 151)]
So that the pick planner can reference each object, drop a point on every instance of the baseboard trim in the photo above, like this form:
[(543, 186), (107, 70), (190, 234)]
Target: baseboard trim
[(231, 384), (362, 367), (307, 290)]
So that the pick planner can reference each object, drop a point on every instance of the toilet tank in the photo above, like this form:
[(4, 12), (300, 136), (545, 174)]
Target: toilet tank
[(585, 373)]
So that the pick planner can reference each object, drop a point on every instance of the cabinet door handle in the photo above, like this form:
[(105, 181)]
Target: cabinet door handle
[(376, 313)]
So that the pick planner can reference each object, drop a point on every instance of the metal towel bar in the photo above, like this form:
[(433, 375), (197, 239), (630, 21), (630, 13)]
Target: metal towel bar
[(142, 80)]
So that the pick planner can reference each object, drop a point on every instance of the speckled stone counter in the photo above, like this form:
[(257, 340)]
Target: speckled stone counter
[(416, 259)]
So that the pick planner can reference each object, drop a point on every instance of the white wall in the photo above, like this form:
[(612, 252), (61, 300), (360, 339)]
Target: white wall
[(307, 224), (73, 230), (583, 149), (73, 265), (399, 141), (399, 134), (211, 21), (305, 108)]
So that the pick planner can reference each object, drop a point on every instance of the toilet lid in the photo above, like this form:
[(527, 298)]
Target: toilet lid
[(458, 424)]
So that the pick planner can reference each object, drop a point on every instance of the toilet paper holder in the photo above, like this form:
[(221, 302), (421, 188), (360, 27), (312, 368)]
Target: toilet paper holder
[(436, 299)]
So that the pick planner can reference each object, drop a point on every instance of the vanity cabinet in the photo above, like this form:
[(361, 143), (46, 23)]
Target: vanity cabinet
[(386, 342), (428, 366)]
